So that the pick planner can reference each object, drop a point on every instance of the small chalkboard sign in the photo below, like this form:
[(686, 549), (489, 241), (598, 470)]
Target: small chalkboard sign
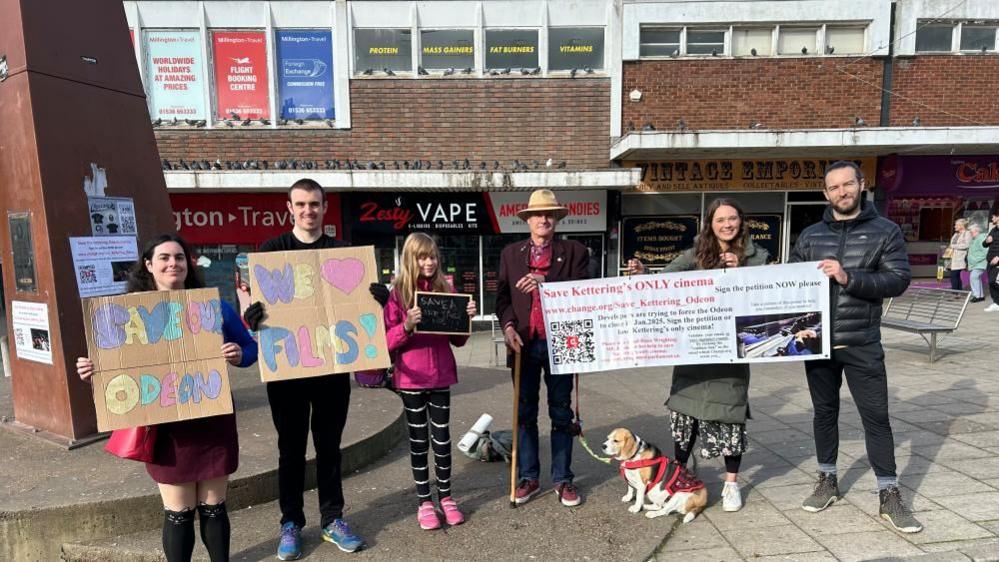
[(443, 313)]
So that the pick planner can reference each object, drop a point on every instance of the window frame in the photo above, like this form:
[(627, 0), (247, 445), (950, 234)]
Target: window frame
[(993, 25), (817, 33), (440, 71), (487, 70), (954, 37), (679, 43), (599, 70), (358, 73)]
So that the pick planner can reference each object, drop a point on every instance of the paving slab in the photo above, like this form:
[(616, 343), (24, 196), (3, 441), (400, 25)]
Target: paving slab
[(752, 542), (868, 545)]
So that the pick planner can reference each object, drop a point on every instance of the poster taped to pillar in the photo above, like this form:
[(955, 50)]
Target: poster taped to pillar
[(321, 318), (738, 315), (157, 357)]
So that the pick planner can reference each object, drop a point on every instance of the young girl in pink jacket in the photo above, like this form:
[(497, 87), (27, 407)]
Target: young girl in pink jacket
[(425, 369)]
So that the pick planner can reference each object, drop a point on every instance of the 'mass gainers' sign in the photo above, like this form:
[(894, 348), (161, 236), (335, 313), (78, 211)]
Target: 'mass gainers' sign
[(249, 218)]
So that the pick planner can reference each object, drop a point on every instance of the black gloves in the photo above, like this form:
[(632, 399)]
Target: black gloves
[(254, 315), (378, 291)]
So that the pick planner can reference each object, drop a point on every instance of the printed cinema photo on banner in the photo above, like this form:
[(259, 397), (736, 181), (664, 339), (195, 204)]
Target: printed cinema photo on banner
[(779, 335)]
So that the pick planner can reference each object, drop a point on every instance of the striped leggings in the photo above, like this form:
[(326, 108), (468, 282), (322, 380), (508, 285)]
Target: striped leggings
[(429, 408)]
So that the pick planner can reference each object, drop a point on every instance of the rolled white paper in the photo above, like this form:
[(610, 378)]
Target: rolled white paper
[(480, 426)]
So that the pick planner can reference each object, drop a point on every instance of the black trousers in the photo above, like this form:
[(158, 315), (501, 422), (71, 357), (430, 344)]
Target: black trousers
[(990, 275), (864, 367), (319, 402)]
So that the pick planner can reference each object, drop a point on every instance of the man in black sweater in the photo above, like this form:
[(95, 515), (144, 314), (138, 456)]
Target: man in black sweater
[(325, 397), (864, 256)]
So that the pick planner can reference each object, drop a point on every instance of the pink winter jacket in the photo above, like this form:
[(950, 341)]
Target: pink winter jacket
[(421, 360)]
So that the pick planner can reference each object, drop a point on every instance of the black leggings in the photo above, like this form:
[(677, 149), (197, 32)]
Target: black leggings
[(429, 408), (682, 453)]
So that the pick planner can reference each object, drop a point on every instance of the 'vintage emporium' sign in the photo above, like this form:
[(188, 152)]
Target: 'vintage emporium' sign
[(739, 175)]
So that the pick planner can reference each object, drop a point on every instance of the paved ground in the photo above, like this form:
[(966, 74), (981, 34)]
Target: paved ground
[(946, 418)]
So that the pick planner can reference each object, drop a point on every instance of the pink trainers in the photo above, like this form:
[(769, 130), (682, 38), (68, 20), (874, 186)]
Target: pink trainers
[(451, 512), (427, 516)]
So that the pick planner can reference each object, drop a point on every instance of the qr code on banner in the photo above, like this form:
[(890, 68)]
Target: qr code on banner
[(572, 342), (128, 225), (88, 275)]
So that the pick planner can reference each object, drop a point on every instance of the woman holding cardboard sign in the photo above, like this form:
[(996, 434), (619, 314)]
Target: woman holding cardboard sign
[(192, 459), (425, 369)]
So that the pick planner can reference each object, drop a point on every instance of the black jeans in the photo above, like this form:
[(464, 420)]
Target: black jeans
[(865, 375), (295, 404), (955, 279), (990, 274)]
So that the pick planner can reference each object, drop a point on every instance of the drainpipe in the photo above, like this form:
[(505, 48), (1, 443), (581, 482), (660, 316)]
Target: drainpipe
[(886, 84)]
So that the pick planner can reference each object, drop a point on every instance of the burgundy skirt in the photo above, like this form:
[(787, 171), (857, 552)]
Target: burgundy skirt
[(195, 450)]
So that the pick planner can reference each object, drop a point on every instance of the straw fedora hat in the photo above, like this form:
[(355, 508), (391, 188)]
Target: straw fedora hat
[(543, 200)]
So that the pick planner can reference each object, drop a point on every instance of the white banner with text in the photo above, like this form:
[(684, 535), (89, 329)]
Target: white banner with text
[(737, 315)]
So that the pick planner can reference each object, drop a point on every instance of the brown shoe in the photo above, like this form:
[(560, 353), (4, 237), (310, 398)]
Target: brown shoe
[(526, 490)]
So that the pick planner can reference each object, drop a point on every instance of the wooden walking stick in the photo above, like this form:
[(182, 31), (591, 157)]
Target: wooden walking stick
[(516, 429)]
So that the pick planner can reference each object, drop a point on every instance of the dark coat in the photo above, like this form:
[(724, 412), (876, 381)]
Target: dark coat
[(569, 263), (716, 392), (872, 252)]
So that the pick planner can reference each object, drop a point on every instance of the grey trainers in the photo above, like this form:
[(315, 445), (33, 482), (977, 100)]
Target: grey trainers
[(826, 492), (895, 512)]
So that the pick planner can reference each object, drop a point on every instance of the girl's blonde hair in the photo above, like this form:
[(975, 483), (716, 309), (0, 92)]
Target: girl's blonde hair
[(416, 246)]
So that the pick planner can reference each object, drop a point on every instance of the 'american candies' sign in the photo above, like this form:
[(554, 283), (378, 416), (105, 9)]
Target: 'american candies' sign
[(157, 357), (305, 63), (321, 318)]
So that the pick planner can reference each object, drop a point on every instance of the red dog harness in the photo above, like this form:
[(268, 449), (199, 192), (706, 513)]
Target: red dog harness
[(679, 478)]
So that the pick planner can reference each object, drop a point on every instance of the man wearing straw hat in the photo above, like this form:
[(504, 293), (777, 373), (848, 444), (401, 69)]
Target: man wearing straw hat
[(523, 266)]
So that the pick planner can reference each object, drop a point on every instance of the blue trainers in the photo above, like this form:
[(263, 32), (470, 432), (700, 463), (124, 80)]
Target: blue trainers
[(290, 547), (339, 534)]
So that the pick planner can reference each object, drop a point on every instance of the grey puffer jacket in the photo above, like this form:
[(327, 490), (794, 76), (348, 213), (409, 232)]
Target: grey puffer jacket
[(872, 252), (716, 392)]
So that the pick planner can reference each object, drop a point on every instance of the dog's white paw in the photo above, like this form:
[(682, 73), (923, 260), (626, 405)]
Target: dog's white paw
[(630, 495), (654, 514), (634, 508)]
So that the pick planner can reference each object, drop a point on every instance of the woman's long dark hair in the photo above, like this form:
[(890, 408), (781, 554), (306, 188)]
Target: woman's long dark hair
[(707, 249), (139, 278)]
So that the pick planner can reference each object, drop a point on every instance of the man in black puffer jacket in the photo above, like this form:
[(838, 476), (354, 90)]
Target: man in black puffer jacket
[(865, 258)]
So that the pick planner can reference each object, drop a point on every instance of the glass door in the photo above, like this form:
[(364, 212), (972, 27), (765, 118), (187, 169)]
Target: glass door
[(799, 216)]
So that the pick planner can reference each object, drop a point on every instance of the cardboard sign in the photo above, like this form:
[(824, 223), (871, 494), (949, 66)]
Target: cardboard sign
[(321, 319), (443, 313), (157, 357)]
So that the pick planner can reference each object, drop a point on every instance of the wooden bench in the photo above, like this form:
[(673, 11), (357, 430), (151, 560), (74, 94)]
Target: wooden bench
[(926, 311)]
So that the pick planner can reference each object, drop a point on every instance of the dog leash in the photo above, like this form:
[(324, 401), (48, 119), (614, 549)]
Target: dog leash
[(579, 425)]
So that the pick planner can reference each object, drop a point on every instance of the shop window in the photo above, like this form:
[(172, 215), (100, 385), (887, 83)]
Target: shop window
[(174, 74), (844, 40), (240, 61), (443, 49), (511, 48), (659, 42), (978, 38), (701, 42), (934, 38), (382, 50), (752, 42), (797, 41), (575, 47)]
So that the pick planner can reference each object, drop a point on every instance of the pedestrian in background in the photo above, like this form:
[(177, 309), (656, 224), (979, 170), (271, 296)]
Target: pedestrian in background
[(992, 258), (425, 370), (192, 459), (958, 249), (864, 256), (977, 262)]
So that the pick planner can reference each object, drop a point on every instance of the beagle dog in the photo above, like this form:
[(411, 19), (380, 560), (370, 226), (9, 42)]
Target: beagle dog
[(656, 483)]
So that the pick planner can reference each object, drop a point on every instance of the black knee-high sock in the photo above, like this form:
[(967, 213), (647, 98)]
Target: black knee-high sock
[(215, 530), (440, 434), (416, 405), (178, 535), (682, 450)]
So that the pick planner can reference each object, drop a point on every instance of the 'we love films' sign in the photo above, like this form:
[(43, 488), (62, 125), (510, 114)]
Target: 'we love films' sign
[(321, 317), (157, 357)]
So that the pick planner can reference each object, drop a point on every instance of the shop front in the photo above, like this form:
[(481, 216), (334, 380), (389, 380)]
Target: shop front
[(471, 229), (221, 226), (779, 196), (924, 195)]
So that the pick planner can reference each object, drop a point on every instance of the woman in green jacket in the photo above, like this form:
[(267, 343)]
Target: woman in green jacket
[(977, 262), (712, 401)]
